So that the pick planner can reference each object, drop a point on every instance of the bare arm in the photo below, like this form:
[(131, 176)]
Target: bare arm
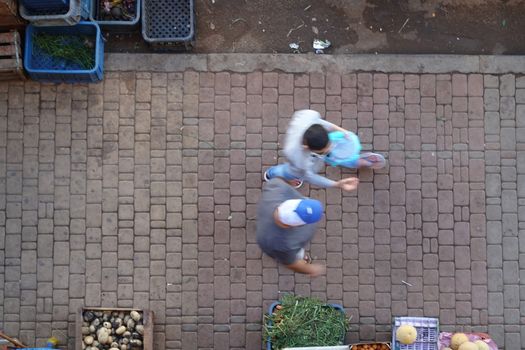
[(302, 266), (331, 127), (348, 184), (338, 128), (318, 180)]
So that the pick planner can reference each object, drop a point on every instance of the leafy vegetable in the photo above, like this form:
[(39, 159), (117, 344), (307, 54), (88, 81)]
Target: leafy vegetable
[(75, 49), (301, 321)]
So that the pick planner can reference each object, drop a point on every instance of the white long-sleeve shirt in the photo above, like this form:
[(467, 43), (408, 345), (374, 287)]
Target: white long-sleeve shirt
[(301, 160)]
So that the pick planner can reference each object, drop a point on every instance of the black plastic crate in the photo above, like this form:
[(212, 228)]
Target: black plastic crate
[(168, 24)]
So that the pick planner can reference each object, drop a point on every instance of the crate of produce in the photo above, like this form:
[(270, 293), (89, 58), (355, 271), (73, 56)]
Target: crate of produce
[(296, 322), (9, 18), (11, 66), (336, 347), (71, 15), (371, 346), (103, 328), (483, 341), (122, 16), (67, 54), (49, 5), (427, 333), (168, 24)]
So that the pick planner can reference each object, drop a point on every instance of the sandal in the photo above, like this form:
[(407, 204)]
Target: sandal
[(295, 183), (308, 258), (375, 160)]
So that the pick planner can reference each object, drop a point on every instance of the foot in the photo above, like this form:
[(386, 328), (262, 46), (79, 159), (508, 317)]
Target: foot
[(316, 270), (295, 183), (307, 258), (371, 160)]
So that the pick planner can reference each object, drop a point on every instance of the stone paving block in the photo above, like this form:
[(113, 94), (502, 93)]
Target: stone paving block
[(475, 85)]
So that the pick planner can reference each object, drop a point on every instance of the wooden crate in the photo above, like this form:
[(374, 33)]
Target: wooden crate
[(147, 316), (9, 15), (11, 63)]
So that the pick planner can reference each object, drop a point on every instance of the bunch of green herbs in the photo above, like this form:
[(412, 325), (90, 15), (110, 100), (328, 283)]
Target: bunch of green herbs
[(301, 322), (75, 49)]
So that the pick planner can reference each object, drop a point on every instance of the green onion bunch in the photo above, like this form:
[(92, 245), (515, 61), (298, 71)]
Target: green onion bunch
[(301, 322), (76, 49)]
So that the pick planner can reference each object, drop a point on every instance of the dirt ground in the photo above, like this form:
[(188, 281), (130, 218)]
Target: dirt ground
[(352, 26)]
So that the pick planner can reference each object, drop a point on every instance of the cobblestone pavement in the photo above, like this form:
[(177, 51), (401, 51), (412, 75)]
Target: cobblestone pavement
[(141, 192)]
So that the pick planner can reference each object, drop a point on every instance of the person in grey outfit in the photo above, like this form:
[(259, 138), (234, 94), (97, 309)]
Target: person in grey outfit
[(286, 223)]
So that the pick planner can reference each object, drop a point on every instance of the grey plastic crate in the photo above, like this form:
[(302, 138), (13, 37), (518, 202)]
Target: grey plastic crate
[(168, 24), (78, 10), (116, 26), (427, 333)]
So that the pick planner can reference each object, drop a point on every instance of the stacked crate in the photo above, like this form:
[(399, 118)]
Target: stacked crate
[(61, 19)]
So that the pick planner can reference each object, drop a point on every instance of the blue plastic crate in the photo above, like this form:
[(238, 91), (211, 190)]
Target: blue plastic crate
[(115, 25), (43, 67), (427, 333), (274, 305), (35, 5), (70, 15)]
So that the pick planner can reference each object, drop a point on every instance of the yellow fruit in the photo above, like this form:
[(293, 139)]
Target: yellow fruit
[(482, 345), (406, 334), (457, 339), (468, 345)]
